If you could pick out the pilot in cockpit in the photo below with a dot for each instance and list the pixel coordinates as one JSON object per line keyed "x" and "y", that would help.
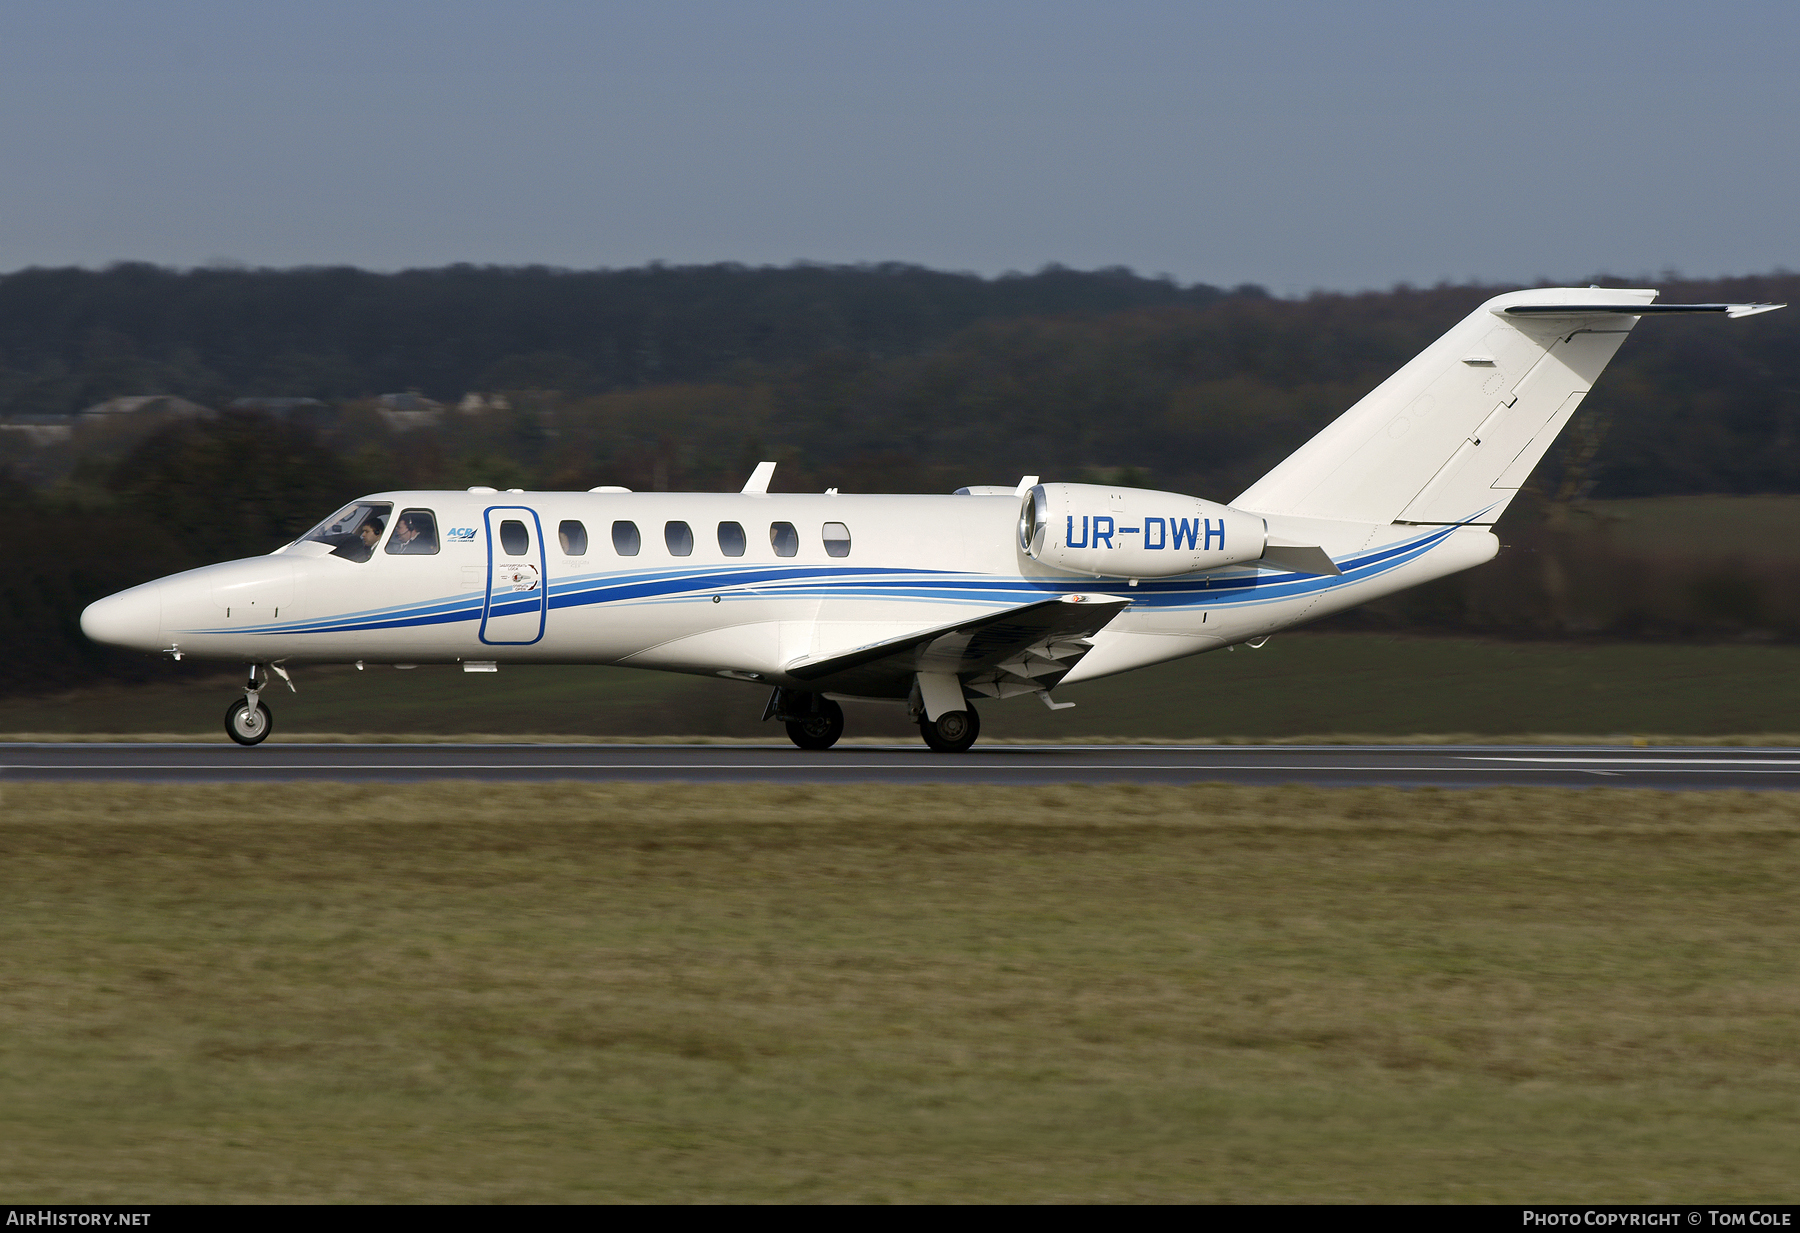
{"x": 353, "y": 532}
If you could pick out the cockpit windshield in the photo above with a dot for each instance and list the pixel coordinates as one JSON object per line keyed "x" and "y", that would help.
{"x": 354, "y": 530}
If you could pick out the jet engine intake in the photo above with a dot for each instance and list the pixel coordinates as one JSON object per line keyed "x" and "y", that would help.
{"x": 1134, "y": 532}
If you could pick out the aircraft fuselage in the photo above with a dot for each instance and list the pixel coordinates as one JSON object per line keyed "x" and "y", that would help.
{"x": 681, "y": 602}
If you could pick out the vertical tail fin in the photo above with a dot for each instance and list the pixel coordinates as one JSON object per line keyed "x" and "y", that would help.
{"x": 1452, "y": 436}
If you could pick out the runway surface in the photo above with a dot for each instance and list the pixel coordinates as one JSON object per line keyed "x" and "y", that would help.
{"x": 1417, "y": 766}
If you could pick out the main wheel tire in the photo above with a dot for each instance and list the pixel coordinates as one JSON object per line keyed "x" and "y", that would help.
{"x": 953, "y": 731}
{"x": 819, "y": 730}
{"x": 245, "y": 726}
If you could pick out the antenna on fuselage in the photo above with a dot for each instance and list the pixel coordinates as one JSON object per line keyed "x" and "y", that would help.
{"x": 759, "y": 478}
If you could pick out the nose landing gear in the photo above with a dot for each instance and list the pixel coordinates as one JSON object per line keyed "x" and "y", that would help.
{"x": 245, "y": 723}
{"x": 247, "y": 720}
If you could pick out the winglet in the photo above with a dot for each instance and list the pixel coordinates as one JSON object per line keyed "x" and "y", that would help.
{"x": 759, "y": 478}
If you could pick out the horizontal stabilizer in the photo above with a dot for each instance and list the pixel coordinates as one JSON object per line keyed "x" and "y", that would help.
{"x": 1053, "y": 631}
{"x": 1636, "y": 310}
{"x": 1300, "y": 558}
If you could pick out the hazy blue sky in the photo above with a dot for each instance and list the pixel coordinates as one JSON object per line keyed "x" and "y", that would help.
{"x": 1295, "y": 145}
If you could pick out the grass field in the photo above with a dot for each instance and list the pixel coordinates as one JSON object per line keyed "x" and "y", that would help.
{"x": 519, "y": 993}
{"x": 1299, "y": 684}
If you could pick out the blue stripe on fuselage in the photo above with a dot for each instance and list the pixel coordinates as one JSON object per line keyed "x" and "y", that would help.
{"x": 1247, "y": 587}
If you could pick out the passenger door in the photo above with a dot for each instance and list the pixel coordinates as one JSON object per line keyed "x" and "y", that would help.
{"x": 518, "y": 582}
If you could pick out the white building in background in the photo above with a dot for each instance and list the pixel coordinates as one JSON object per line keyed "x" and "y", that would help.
{"x": 405, "y": 412}
{"x": 145, "y": 404}
{"x": 39, "y": 431}
{"x": 129, "y": 414}
{"x": 474, "y": 403}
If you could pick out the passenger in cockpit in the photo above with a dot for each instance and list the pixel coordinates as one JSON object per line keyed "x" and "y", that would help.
{"x": 412, "y": 534}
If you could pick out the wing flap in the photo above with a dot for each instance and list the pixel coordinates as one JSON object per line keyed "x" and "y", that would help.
{"x": 1049, "y": 635}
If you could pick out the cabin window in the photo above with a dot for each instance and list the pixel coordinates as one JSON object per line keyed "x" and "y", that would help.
{"x": 784, "y": 539}
{"x": 626, "y": 540}
{"x": 354, "y": 530}
{"x": 837, "y": 539}
{"x": 415, "y": 533}
{"x": 573, "y": 538}
{"x": 731, "y": 539}
{"x": 515, "y": 541}
{"x": 680, "y": 539}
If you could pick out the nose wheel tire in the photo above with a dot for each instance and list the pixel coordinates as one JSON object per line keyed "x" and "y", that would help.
{"x": 246, "y": 726}
{"x": 819, "y": 730}
{"x": 951, "y": 732}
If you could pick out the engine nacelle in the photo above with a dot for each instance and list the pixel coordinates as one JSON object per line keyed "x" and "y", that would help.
{"x": 1134, "y": 532}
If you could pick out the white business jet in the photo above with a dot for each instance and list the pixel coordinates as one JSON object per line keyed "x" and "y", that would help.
{"x": 922, "y": 601}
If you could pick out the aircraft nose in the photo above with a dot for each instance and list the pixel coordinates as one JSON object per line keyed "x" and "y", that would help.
{"x": 131, "y": 619}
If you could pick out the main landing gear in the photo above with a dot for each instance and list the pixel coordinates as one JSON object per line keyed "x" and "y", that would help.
{"x": 951, "y": 732}
{"x": 813, "y": 721}
{"x": 247, "y": 720}
{"x": 816, "y": 722}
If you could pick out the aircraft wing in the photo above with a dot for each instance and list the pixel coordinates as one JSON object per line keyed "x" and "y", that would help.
{"x": 1017, "y": 650}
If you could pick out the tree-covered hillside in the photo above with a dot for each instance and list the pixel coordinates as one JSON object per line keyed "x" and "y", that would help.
{"x": 879, "y": 377}
{"x": 69, "y": 337}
